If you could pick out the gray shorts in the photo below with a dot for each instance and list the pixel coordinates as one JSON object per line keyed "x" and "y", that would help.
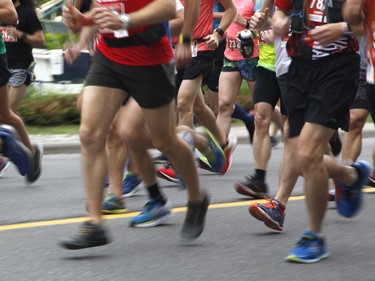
{"x": 20, "y": 76}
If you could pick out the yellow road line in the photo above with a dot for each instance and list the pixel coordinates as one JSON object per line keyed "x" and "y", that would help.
{"x": 133, "y": 214}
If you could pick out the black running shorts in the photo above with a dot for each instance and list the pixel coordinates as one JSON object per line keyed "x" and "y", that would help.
{"x": 150, "y": 86}
{"x": 321, "y": 91}
{"x": 267, "y": 87}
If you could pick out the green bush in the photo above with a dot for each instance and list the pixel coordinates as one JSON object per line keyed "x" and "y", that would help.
{"x": 50, "y": 109}
{"x": 57, "y": 40}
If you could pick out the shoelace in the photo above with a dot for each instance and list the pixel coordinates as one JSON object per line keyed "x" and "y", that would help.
{"x": 305, "y": 240}
{"x": 86, "y": 230}
{"x": 271, "y": 203}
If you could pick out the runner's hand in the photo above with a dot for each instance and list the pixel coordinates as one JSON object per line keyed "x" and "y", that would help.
{"x": 182, "y": 55}
{"x": 212, "y": 40}
{"x": 258, "y": 19}
{"x": 73, "y": 18}
{"x": 326, "y": 34}
{"x": 106, "y": 18}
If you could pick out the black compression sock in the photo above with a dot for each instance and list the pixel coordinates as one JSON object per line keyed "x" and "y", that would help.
{"x": 154, "y": 192}
{"x": 260, "y": 175}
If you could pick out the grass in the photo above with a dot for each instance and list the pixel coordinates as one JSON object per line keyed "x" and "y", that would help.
{"x": 52, "y": 130}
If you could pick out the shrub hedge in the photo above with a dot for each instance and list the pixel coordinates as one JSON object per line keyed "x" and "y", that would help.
{"x": 50, "y": 110}
{"x": 55, "y": 109}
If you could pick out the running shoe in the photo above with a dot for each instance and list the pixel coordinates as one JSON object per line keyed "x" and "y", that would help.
{"x": 15, "y": 150}
{"x": 371, "y": 179}
{"x": 349, "y": 198}
{"x": 168, "y": 173}
{"x": 34, "y": 173}
{"x": 274, "y": 141}
{"x": 195, "y": 219}
{"x": 4, "y": 165}
{"x": 154, "y": 213}
{"x": 213, "y": 151}
{"x": 331, "y": 195}
{"x": 251, "y": 187}
{"x": 204, "y": 164}
{"x": 113, "y": 205}
{"x": 161, "y": 159}
{"x": 272, "y": 213}
{"x": 131, "y": 185}
{"x": 228, "y": 152}
{"x": 310, "y": 248}
{"x": 89, "y": 235}
{"x": 332, "y": 191}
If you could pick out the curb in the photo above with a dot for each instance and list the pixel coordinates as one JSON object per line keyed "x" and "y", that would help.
{"x": 55, "y": 144}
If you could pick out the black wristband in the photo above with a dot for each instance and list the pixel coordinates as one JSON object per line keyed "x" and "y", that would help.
{"x": 247, "y": 24}
{"x": 186, "y": 40}
{"x": 24, "y": 36}
{"x": 220, "y": 31}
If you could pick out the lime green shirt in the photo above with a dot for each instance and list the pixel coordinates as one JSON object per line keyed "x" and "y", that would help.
{"x": 267, "y": 56}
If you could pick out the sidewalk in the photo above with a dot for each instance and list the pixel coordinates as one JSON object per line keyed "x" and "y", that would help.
{"x": 70, "y": 143}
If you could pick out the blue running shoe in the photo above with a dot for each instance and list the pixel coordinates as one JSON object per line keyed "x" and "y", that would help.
{"x": 113, "y": 205}
{"x": 14, "y": 149}
{"x": 349, "y": 198}
{"x": 154, "y": 213}
{"x": 310, "y": 248}
{"x": 130, "y": 184}
{"x": 213, "y": 151}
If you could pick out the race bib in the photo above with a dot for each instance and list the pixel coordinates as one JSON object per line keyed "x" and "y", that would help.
{"x": 6, "y": 36}
{"x": 316, "y": 12}
{"x": 117, "y": 7}
{"x": 233, "y": 43}
{"x": 194, "y": 49}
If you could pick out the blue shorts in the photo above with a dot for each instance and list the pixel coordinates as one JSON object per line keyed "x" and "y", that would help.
{"x": 245, "y": 67}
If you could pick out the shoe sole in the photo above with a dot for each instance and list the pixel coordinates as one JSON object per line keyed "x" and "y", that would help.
{"x": 241, "y": 189}
{"x": 133, "y": 192}
{"x": 69, "y": 246}
{"x": 226, "y": 168}
{"x": 2, "y": 172}
{"x": 294, "y": 258}
{"x": 370, "y": 183}
{"x": 153, "y": 223}
{"x": 166, "y": 177}
{"x": 115, "y": 212}
{"x": 260, "y": 215}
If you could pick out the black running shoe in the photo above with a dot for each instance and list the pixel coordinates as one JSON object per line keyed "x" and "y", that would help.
{"x": 34, "y": 173}
{"x": 251, "y": 187}
{"x": 90, "y": 235}
{"x": 194, "y": 220}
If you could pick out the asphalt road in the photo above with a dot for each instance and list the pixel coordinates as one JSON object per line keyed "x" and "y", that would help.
{"x": 234, "y": 246}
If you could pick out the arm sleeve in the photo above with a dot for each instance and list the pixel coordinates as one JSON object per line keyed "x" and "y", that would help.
{"x": 284, "y": 5}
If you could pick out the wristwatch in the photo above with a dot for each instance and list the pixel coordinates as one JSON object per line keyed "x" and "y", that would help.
{"x": 125, "y": 19}
{"x": 220, "y": 31}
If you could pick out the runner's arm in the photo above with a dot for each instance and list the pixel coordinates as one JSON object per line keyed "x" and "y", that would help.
{"x": 8, "y": 13}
